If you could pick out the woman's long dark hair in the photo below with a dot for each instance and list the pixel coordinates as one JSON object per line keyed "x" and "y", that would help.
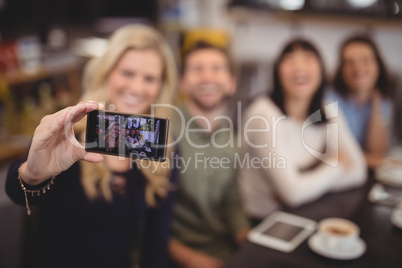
{"x": 278, "y": 93}
{"x": 383, "y": 84}
{"x": 135, "y": 134}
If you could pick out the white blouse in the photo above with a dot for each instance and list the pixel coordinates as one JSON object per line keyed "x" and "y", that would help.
{"x": 298, "y": 161}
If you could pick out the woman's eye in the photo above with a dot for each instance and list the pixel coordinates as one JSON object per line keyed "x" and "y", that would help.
{"x": 150, "y": 79}
{"x": 196, "y": 69}
{"x": 126, "y": 73}
{"x": 348, "y": 63}
{"x": 311, "y": 56}
{"x": 218, "y": 68}
{"x": 367, "y": 60}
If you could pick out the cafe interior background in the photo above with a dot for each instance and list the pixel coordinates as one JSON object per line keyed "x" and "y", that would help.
{"x": 44, "y": 45}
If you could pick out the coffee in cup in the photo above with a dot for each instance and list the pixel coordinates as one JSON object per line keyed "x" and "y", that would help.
{"x": 338, "y": 234}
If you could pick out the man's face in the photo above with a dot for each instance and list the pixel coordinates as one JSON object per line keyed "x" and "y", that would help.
{"x": 207, "y": 80}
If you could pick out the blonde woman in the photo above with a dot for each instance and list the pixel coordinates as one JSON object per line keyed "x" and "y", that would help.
{"x": 97, "y": 204}
{"x": 113, "y": 137}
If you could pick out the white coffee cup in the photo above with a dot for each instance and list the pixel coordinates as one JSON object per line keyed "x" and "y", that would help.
{"x": 337, "y": 234}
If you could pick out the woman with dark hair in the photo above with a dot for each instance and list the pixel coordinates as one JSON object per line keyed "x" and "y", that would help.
{"x": 132, "y": 136}
{"x": 362, "y": 90}
{"x": 304, "y": 150}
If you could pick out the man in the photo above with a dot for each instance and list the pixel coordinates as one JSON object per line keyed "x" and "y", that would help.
{"x": 209, "y": 221}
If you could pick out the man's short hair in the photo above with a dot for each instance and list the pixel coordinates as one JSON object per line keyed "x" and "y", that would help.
{"x": 201, "y": 45}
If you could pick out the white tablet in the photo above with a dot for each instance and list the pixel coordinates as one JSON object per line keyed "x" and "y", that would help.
{"x": 282, "y": 231}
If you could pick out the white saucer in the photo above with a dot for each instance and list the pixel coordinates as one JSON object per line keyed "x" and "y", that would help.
{"x": 396, "y": 217}
{"x": 356, "y": 251}
{"x": 390, "y": 172}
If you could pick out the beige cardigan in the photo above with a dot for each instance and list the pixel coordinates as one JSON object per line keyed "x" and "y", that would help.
{"x": 292, "y": 146}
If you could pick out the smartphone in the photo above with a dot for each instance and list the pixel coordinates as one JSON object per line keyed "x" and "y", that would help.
{"x": 282, "y": 231}
{"x": 127, "y": 135}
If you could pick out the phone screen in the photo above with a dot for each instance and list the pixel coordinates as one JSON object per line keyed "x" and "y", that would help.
{"x": 283, "y": 231}
{"x": 136, "y": 136}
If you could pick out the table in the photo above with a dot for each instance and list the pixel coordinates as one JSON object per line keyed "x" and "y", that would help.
{"x": 383, "y": 240}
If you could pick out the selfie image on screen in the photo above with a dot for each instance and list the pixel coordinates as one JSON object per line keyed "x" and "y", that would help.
{"x": 126, "y": 135}
{"x": 283, "y": 231}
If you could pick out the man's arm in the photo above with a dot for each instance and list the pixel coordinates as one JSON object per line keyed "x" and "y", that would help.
{"x": 235, "y": 216}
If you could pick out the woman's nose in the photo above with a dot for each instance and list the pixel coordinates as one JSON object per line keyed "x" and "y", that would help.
{"x": 136, "y": 85}
{"x": 299, "y": 64}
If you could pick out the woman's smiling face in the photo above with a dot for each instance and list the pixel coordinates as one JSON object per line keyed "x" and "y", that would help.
{"x": 135, "y": 81}
{"x": 300, "y": 73}
{"x": 360, "y": 69}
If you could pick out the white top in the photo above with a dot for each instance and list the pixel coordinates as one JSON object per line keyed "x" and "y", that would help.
{"x": 298, "y": 161}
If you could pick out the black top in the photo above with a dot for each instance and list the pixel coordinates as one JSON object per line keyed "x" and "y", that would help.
{"x": 76, "y": 232}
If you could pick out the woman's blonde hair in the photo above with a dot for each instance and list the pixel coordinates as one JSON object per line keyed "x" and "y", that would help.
{"x": 95, "y": 178}
{"x": 108, "y": 138}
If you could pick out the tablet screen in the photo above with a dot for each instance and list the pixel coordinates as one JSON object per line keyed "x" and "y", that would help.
{"x": 283, "y": 231}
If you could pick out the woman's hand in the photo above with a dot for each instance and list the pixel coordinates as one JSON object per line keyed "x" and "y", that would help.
{"x": 54, "y": 147}
{"x": 377, "y": 137}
